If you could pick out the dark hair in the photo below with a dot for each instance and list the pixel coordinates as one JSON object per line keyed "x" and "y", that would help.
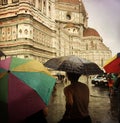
{"x": 73, "y": 77}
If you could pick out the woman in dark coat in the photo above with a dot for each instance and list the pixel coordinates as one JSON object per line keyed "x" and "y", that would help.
{"x": 77, "y": 101}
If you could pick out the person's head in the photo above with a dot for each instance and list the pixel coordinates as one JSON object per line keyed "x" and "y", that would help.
{"x": 73, "y": 77}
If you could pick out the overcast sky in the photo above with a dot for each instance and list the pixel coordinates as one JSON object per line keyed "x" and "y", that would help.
{"x": 104, "y": 16}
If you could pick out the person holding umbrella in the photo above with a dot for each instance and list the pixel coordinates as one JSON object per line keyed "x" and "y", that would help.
{"x": 117, "y": 90}
{"x": 77, "y": 101}
{"x": 117, "y": 82}
{"x": 77, "y": 93}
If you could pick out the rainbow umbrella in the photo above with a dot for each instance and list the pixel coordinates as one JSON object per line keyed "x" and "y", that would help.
{"x": 25, "y": 88}
{"x": 113, "y": 64}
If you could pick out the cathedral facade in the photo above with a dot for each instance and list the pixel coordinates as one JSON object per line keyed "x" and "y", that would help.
{"x": 43, "y": 29}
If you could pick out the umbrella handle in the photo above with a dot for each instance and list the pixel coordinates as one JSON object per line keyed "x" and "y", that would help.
{"x": 8, "y": 71}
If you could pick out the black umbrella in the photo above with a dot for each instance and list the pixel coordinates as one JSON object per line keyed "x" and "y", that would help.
{"x": 74, "y": 64}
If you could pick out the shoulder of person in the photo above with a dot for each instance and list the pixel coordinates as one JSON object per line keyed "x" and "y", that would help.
{"x": 81, "y": 83}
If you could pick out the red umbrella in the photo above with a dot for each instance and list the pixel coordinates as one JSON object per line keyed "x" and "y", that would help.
{"x": 113, "y": 64}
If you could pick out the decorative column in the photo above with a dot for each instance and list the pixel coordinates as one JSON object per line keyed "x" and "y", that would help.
{"x": 9, "y": 1}
{"x": 47, "y": 9}
{"x": 53, "y": 10}
{"x": 36, "y": 4}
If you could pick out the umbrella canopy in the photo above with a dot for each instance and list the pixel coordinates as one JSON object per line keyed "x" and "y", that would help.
{"x": 25, "y": 88}
{"x": 73, "y": 64}
{"x": 113, "y": 64}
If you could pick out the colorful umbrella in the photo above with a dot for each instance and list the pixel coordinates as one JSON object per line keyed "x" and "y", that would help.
{"x": 73, "y": 64}
{"x": 25, "y": 88}
{"x": 113, "y": 64}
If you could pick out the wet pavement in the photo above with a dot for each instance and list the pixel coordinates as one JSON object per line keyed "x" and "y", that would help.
{"x": 99, "y": 106}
